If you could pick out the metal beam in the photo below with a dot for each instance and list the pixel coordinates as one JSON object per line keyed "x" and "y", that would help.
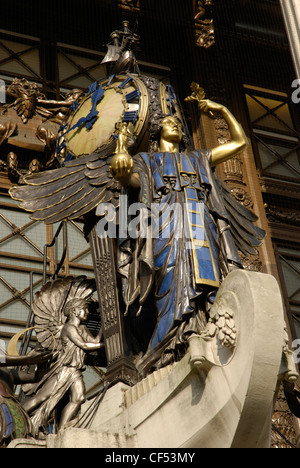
{"x": 291, "y": 14}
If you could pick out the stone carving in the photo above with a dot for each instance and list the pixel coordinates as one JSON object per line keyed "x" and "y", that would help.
{"x": 221, "y": 323}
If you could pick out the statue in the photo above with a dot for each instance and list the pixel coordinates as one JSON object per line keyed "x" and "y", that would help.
{"x": 14, "y": 421}
{"x": 60, "y": 307}
{"x": 142, "y": 150}
{"x": 187, "y": 265}
{"x": 183, "y": 278}
{"x": 30, "y": 104}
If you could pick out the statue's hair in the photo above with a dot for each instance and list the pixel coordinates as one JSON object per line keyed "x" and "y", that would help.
{"x": 74, "y": 305}
{"x": 155, "y": 132}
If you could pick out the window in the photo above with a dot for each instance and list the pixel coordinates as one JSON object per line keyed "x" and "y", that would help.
{"x": 79, "y": 68}
{"x": 289, "y": 266}
{"x": 19, "y": 56}
{"x": 22, "y": 244}
{"x": 275, "y": 138}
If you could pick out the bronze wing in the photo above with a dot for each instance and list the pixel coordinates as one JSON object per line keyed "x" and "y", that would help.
{"x": 70, "y": 191}
{"x": 49, "y": 302}
{"x": 246, "y": 234}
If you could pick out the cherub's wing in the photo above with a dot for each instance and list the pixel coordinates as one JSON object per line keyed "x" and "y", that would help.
{"x": 246, "y": 234}
{"x": 70, "y": 191}
{"x": 47, "y": 310}
{"x": 49, "y": 302}
{"x": 81, "y": 288}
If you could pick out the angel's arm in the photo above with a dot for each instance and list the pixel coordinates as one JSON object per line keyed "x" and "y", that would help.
{"x": 238, "y": 141}
{"x": 72, "y": 333}
{"x": 87, "y": 336}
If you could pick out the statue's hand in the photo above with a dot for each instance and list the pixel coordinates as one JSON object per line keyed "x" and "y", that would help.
{"x": 198, "y": 93}
{"x": 206, "y": 105}
{"x": 121, "y": 167}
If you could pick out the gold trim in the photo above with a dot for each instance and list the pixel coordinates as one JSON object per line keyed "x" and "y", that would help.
{"x": 205, "y": 243}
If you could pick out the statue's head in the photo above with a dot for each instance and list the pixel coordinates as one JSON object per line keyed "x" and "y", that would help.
{"x": 35, "y": 166}
{"x": 170, "y": 128}
{"x": 76, "y": 308}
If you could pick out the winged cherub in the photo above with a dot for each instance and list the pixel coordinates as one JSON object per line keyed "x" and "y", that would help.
{"x": 61, "y": 306}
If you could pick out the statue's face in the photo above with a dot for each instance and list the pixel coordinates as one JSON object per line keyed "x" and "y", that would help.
{"x": 171, "y": 130}
{"x": 83, "y": 313}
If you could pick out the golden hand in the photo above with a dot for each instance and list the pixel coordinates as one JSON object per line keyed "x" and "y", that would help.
{"x": 122, "y": 163}
{"x": 238, "y": 141}
{"x": 121, "y": 167}
{"x": 205, "y": 105}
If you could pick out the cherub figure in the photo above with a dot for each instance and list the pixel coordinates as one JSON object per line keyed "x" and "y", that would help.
{"x": 122, "y": 159}
{"x": 61, "y": 306}
{"x": 122, "y": 142}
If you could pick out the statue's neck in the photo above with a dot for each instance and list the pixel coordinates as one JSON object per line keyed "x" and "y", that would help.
{"x": 168, "y": 147}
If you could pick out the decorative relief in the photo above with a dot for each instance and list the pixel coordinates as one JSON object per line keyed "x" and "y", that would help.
{"x": 30, "y": 121}
{"x": 130, "y": 5}
{"x": 280, "y": 215}
{"x": 242, "y": 196}
{"x": 251, "y": 262}
{"x": 222, "y": 130}
{"x": 204, "y": 25}
{"x": 221, "y": 324}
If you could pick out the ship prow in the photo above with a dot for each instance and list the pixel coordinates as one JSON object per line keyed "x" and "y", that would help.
{"x": 220, "y": 395}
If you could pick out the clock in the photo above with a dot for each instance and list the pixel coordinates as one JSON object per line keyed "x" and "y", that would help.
{"x": 91, "y": 123}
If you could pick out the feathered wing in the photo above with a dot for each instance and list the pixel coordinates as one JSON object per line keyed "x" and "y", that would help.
{"x": 49, "y": 302}
{"x": 246, "y": 234}
{"x": 70, "y": 191}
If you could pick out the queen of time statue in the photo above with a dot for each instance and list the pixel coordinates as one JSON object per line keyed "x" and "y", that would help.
{"x": 128, "y": 137}
{"x": 192, "y": 250}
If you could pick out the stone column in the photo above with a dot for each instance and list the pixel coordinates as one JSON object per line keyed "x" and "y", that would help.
{"x": 291, "y": 14}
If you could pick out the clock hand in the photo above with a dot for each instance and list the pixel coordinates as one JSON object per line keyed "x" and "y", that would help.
{"x": 91, "y": 117}
{"x": 77, "y": 125}
{"x": 89, "y": 120}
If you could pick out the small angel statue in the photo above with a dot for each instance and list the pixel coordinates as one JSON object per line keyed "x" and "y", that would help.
{"x": 60, "y": 307}
{"x": 122, "y": 163}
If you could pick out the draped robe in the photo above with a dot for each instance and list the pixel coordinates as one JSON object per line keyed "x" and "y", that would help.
{"x": 186, "y": 248}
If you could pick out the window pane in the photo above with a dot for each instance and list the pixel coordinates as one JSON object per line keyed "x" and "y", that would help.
{"x": 288, "y": 166}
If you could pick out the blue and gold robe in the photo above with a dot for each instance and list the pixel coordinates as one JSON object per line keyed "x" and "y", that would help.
{"x": 183, "y": 255}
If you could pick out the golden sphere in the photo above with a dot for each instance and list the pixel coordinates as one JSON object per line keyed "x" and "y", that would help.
{"x": 121, "y": 162}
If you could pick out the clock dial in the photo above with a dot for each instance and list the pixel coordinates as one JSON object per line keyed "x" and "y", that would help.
{"x": 92, "y": 124}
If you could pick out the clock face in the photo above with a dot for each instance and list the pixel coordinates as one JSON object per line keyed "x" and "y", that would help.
{"x": 91, "y": 124}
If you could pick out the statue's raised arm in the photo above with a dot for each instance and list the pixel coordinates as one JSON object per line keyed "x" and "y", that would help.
{"x": 238, "y": 141}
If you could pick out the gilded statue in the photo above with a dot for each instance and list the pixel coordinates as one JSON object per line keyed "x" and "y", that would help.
{"x": 172, "y": 276}
{"x": 28, "y": 101}
{"x": 186, "y": 266}
{"x": 161, "y": 276}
